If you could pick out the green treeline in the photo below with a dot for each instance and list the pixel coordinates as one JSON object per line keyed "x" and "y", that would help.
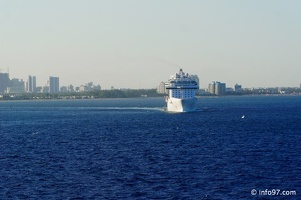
{"x": 130, "y": 93}
{"x": 124, "y": 93}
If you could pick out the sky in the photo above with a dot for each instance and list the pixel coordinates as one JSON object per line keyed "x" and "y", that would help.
{"x": 139, "y": 43}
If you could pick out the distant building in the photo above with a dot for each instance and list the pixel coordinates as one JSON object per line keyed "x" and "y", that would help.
{"x": 54, "y": 84}
{"x": 220, "y": 88}
{"x": 64, "y": 89}
{"x": 237, "y": 88}
{"x": 83, "y": 88}
{"x": 31, "y": 85}
{"x": 228, "y": 89}
{"x": 217, "y": 88}
{"x": 45, "y": 89}
{"x": 90, "y": 87}
{"x": 4, "y": 82}
{"x": 97, "y": 87}
{"x": 211, "y": 87}
{"x": 16, "y": 86}
{"x": 70, "y": 88}
{"x": 161, "y": 88}
{"x": 39, "y": 89}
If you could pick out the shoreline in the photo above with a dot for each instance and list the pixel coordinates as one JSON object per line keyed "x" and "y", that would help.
{"x": 19, "y": 98}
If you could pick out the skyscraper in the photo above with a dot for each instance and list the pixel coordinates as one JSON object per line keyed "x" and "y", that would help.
{"x": 211, "y": 87}
{"x": 31, "y": 84}
{"x": 161, "y": 89}
{"x": 217, "y": 88}
{"x": 54, "y": 85}
{"x": 4, "y": 82}
{"x": 220, "y": 88}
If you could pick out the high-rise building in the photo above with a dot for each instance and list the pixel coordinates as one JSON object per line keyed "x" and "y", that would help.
{"x": 211, "y": 87}
{"x": 237, "y": 88}
{"x": 4, "y": 82}
{"x": 16, "y": 86}
{"x": 70, "y": 88}
{"x": 31, "y": 85}
{"x": 54, "y": 84}
{"x": 64, "y": 89}
{"x": 220, "y": 88}
{"x": 161, "y": 89}
{"x": 217, "y": 88}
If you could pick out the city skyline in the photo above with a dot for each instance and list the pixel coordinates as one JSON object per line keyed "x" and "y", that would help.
{"x": 138, "y": 44}
{"x": 13, "y": 85}
{"x": 52, "y": 85}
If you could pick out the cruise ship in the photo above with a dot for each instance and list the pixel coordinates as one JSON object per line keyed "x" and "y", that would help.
{"x": 181, "y": 93}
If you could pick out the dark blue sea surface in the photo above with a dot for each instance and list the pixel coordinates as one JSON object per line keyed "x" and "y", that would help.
{"x": 132, "y": 149}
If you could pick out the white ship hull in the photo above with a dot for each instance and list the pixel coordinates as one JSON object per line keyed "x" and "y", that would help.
{"x": 181, "y": 105}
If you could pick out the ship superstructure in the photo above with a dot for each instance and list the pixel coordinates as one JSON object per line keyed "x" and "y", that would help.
{"x": 181, "y": 93}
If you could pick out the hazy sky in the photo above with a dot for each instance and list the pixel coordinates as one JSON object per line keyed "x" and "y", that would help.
{"x": 139, "y": 43}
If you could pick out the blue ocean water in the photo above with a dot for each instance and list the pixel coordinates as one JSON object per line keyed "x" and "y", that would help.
{"x": 132, "y": 149}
